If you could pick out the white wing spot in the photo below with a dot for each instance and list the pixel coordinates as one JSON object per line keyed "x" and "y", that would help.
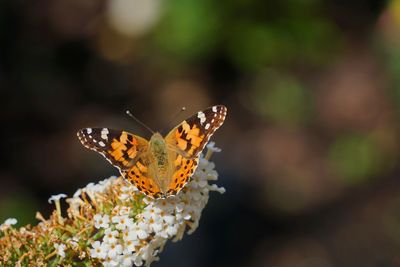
{"x": 207, "y": 126}
{"x": 88, "y": 130}
{"x": 101, "y": 143}
{"x": 104, "y": 133}
{"x": 214, "y": 108}
{"x": 202, "y": 117}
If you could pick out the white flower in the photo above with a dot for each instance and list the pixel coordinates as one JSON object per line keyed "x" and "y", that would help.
{"x": 60, "y": 249}
{"x": 126, "y": 192}
{"x": 165, "y": 205}
{"x": 149, "y": 251}
{"x": 110, "y": 236}
{"x": 171, "y": 230}
{"x": 110, "y": 262}
{"x": 169, "y": 219}
{"x": 127, "y": 234}
{"x": 205, "y": 166}
{"x": 140, "y": 230}
{"x": 152, "y": 225}
{"x": 186, "y": 216}
{"x": 126, "y": 260}
{"x": 157, "y": 227}
{"x": 138, "y": 259}
{"x": 214, "y": 187}
{"x": 108, "y": 182}
{"x": 99, "y": 250}
{"x": 100, "y": 187}
{"x": 130, "y": 246}
{"x": 114, "y": 250}
{"x": 101, "y": 221}
{"x": 151, "y": 212}
{"x": 57, "y": 197}
{"x": 10, "y": 221}
{"x": 94, "y": 188}
{"x": 196, "y": 195}
{"x": 90, "y": 186}
{"x": 211, "y": 146}
{"x": 77, "y": 193}
{"x": 122, "y": 222}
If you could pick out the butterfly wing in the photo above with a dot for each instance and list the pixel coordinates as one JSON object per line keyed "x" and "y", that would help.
{"x": 191, "y": 136}
{"x": 183, "y": 170}
{"x": 139, "y": 175}
{"x": 125, "y": 151}
{"x": 120, "y": 148}
{"x": 187, "y": 140}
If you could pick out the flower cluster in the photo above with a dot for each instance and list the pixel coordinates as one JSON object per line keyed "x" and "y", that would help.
{"x": 110, "y": 223}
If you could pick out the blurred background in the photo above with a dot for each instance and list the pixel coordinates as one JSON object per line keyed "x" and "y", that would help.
{"x": 310, "y": 146}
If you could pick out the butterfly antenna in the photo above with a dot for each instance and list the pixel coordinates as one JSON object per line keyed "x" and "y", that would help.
{"x": 175, "y": 115}
{"x": 138, "y": 121}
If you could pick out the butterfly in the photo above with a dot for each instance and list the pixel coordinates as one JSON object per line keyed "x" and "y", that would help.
{"x": 159, "y": 167}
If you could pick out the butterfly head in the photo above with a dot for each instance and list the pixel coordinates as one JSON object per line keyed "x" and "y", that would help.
{"x": 157, "y": 139}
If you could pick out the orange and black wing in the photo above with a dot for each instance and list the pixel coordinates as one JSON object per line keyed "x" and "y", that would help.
{"x": 191, "y": 136}
{"x": 184, "y": 169}
{"x": 140, "y": 175}
{"x": 120, "y": 148}
{"x": 125, "y": 151}
{"x": 187, "y": 140}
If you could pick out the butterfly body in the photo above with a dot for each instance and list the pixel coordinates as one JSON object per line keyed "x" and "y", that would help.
{"x": 158, "y": 149}
{"x": 161, "y": 161}
{"x": 161, "y": 166}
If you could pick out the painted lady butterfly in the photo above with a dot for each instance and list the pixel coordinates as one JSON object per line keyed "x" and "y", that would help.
{"x": 161, "y": 166}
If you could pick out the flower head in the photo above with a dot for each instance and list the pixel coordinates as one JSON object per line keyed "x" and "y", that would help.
{"x": 110, "y": 236}
{"x": 114, "y": 250}
{"x": 211, "y": 146}
{"x": 10, "y": 221}
{"x": 101, "y": 221}
{"x": 99, "y": 250}
{"x": 56, "y": 198}
{"x": 122, "y": 221}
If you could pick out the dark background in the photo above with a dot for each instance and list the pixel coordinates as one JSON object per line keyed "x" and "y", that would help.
{"x": 311, "y": 141}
